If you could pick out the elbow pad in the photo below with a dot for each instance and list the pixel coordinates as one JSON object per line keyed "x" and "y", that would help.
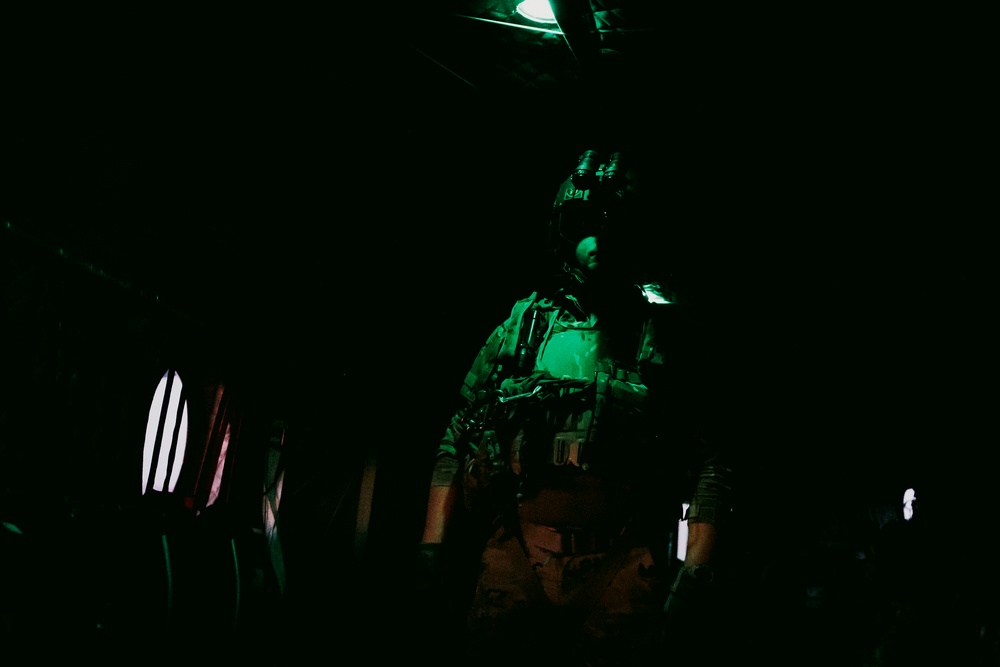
{"x": 711, "y": 502}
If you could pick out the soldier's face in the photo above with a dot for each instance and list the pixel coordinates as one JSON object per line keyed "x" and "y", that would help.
{"x": 586, "y": 253}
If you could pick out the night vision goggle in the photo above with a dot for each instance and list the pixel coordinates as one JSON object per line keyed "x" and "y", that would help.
{"x": 592, "y": 196}
{"x": 592, "y": 173}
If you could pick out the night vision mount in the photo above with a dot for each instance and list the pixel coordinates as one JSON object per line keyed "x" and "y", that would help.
{"x": 592, "y": 199}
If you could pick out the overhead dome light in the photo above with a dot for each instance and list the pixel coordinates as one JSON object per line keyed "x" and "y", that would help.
{"x": 539, "y": 11}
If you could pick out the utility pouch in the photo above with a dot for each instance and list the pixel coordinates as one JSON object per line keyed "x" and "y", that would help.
{"x": 479, "y": 468}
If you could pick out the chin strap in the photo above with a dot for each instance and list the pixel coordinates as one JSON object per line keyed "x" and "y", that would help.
{"x": 577, "y": 275}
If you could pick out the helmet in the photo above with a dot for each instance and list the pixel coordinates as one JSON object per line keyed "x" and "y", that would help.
{"x": 598, "y": 198}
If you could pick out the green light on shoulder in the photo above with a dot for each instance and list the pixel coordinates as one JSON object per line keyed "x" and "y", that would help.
{"x": 655, "y": 294}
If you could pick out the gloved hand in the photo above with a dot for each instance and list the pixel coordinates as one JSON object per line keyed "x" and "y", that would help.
{"x": 424, "y": 612}
{"x": 427, "y": 569}
{"x": 689, "y": 608}
{"x": 691, "y": 591}
{"x": 444, "y": 576}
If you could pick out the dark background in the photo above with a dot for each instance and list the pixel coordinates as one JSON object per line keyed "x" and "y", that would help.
{"x": 317, "y": 212}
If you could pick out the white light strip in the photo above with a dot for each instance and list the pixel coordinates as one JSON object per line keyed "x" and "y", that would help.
{"x": 181, "y": 448}
{"x": 174, "y": 408}
{"x": 167, "y": 437}
{"x": 151, "y": 425}
{"x": 682, "y": 533}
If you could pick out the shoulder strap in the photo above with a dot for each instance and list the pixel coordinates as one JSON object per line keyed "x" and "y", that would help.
{"x": 508, "y": 350}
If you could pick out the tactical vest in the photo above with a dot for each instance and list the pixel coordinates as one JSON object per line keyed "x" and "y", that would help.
{"x": 562, "y": 389}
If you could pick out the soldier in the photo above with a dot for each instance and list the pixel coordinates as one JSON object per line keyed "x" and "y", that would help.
{"x": 582, "y": 432}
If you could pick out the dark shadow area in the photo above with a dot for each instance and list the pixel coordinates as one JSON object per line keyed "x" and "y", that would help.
{"x": 333, "y": 239}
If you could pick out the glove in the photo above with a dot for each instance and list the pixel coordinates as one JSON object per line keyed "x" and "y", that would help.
{"x": 425, "y": 609}
{"x": 427, "y": 569}
{"x": 690, "y": 592}
{"x": 688, "y": 609}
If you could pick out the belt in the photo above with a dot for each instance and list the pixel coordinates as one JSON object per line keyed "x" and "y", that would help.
{"x": 569, "y": 541}
{"x": 567, "y": 448}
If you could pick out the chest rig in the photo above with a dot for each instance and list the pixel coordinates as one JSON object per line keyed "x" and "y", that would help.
{"x": 569, "y": 387}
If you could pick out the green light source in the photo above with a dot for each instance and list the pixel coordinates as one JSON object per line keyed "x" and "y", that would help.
{"x": 539, "y": 11}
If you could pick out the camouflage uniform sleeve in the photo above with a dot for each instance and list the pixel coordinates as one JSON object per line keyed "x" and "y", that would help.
{"x": 499, "y": 344}
{"x": 451, "y": 447}
{"x": 711, "y": 501}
